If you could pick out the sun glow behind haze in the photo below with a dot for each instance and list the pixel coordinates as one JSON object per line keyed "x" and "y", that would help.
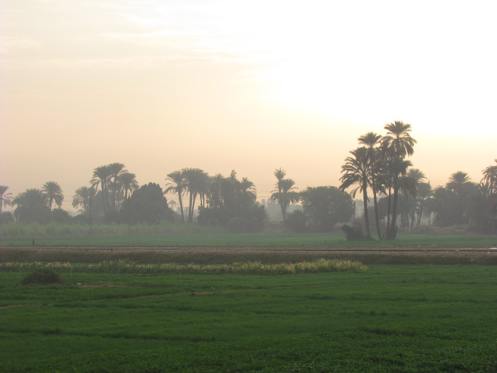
{"x": 250, "y": 85}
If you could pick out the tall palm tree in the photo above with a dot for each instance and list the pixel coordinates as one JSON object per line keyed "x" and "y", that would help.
{"x": 53, "y": 193}
{"x": 397, "y": 145}
{"x": 5, "y": 197}
{"x": 197, "y": 183}
{"x": 458, "y": 182}
{"x": 410, "y": 185}
{"x": 101, "y": 178}
{"x": 176, "y": 183}
{"x": 355, "y": 174}
{"x": 285, "y": 192}
{"x": 116, "y": 170}
{"x": 372, "y": 141}
{"x": 127, "y": 182}
{"x": 490, "y": 178}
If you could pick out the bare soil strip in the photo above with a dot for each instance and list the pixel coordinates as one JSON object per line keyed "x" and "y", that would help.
{"x": 243, "y": 254}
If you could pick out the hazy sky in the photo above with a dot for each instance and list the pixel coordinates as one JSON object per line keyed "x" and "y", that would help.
{"x": 246, "y": 85}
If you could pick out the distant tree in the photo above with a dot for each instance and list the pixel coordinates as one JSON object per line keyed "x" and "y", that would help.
{"x": 326, "y": 206}
{"x": 53, "y": 194}
{"x": 372, "y": 142}
{"x": 6, "y": 217}
{"x": 176, "y": 183}
{"x": 232, "y": 203}
{"x": 84, "y": 199}
{"x": 32, "y": 207}
{"x": 5, "y": 197}
{"x": 397, "y": 144}
{"x": 128, "y": 184}
{"x": 356, "y": 175}
{"x": 284, "y": 192}
{"x": 197, "y": 184}
{"x": 60, "y": 216}
{"x": 489, "y": 180}
{"x": 101, "y": 179}
{"x": 146, "y": 205}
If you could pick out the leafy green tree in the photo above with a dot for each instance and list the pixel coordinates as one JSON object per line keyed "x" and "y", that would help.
{"x": 356, "y": 175}
{"x": 146, "y": 205}
{"x": 53, "y": 193}
{"x": 32, "y": 207}
{"x": 284, "y": 192}
{"x": 326, "y": 206}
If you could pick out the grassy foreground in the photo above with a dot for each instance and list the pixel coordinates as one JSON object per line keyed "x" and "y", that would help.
{"x": 184, "y": 235}
{"x": 390, "y": 318}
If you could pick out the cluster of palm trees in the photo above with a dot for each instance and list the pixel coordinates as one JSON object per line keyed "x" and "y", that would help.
{"x": 380, "y": 166}
{"x": 197, "y": 185}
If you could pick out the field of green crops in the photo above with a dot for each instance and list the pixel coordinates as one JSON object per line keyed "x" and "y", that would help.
{"x": 428, "y": 318}
{"x": 194, "y": 236}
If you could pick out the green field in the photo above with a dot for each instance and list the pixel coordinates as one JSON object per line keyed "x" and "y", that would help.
{"x": 179, "y": 235}
{"x": 390, "y": 318}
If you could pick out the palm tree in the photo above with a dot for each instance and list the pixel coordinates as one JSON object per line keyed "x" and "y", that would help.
{"x": 127, "y": 182}
{"x": 285, "y": 192}
{"x": 458, "y": 182}
{"x": 490, "y": 178}
{"x": 177, "y": 184}
{"x": 410, "y": 185}
{"x": 355, "y": 174}
{"x": 53, "y": 193}
{"x": 83, "y": 199}
{"x": 101, "y": 177}
{"x": 197, "y": 183}
{"x": 371, "y": 141}
{"x": 397, "y": 145}
{"x": 5, "y": 197}
{"x": 247, "y": 187}
{"x": 116, "y": 170}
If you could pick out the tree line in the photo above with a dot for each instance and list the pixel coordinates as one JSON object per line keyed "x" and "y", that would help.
{"x": 393, "y": 194}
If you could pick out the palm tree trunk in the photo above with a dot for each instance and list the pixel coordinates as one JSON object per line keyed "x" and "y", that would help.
{"x": 180, "y": 199}
{"x": 190, "y": 210}
{"x": 393, "y": 228}
{"x": 366, "y": 214}
{"x": 376, "y": 212}
{"x": 389, "y": 211}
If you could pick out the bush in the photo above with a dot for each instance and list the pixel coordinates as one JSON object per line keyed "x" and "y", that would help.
{"x": 42, "y": 277}
{"x": 296, "y": 222}
{"x": 353, "y": 233}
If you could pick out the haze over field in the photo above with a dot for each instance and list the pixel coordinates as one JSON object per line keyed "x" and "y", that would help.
{"x": 251, "y": 86}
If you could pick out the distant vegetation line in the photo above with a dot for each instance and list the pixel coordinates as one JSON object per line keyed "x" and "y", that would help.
{"x": 393, "y": 194}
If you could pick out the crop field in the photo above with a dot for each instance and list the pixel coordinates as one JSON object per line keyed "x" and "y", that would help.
{"x": 179, "y": 235}
{"x": 401, "y": 318}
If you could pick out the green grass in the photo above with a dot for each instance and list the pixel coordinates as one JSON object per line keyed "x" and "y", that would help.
{"x": 390, "y": 318}
{"x": 197, "y": 236}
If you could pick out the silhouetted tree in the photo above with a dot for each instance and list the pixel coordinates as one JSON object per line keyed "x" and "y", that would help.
{"x": 177, "y": 184}
{"x": 146, "y": 205}
{"x": 284, "y": 192}
{"x": 326, "y": 206}
{"x": 356, "y": 175}
{"x": 53, "y": 193}
{"x": 85, "y": 199}
{"x": 32, "y": 207}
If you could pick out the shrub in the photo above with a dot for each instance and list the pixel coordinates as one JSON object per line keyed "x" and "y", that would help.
{"x": 42, "y": 277}
{"x": 353, "y": 233}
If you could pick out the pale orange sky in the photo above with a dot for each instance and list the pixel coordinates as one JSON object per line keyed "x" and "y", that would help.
{"x": 245, "y": 85}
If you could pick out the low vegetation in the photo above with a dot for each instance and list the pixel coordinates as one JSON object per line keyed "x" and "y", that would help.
{"x": 43, "y": 275}
{"x": 390, "y": 318}
{"x": 44, "y": 270}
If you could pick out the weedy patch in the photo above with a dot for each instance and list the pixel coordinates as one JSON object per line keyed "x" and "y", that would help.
{"x": 42, "y": 277}
{"x": 122, "y": 266}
